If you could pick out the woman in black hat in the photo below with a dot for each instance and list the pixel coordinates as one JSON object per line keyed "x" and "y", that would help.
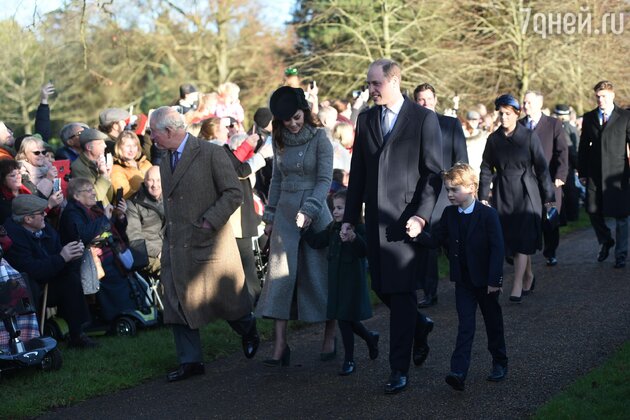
{"x": 514, "y": 163}
{"x": 296, "y": 286}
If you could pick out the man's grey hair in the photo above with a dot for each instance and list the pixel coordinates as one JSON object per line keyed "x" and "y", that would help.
{"x": 68, "y": 129}
{"x": 166, "y": 116}
{"x": 17, "y": 219}
{"x": 535, "y": 93}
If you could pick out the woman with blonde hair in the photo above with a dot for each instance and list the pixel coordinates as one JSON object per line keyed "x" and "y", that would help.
{"x": 130, "y": 164}
{"x": 38, "y": 174}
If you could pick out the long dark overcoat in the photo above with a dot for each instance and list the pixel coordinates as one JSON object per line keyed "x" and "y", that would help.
{"x": 517, "y": 169}
{"x": 201, "y": 273}
{"x": 396, "y": 179}
{"x": 555, "y": 144}
{"x": 603, "y": 161}
{"x": 348, "y": 296}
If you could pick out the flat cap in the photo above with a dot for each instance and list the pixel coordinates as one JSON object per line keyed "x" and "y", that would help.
{"x": 91, "y": 134}
{"x": 112, "y": 115}
{"x": 25, "y": 204}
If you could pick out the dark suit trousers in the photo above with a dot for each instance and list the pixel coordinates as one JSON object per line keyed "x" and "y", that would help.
{"x": 188, "y": 340}
{"x": 467, "y": 298}
{"x": 551, "y": 236}
{"x": 604, "y": 235}
{"x": 405, "y": 322}
{"x": 431, "y": 276}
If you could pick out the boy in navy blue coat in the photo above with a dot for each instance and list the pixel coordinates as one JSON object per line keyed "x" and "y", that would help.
{"x": 472, "y": 234}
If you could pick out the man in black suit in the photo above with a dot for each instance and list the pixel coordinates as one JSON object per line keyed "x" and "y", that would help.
{"x": 395, "y": 164}
{"x": 555, "y": 144}
{"x": 453, "y": 151}
{"x": 603, "y": 169}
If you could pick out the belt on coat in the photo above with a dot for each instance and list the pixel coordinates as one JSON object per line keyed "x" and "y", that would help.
{"x": 293, "y": 186}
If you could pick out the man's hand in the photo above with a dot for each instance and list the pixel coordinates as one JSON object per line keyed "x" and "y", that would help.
{"x": 347, "y": 232}
{"x": 302, "y": 220}
{"x": 492, "y": 289}
{"x": 101, "y": 165}
{"x": 414, "y": 226}
{"x": 72, "y": 251}
{"x": 583, "y": 181}
{"x": 47, "y": 90}
{"x": 558, "y": 183}
{"x": 122, "y": 206}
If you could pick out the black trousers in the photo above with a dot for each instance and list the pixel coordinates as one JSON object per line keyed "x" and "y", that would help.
{"x": 406, "y": 324}
{"x": 431, "y": 275}
{"x": 467, "y": 297}
{"x": 551, "y": 236}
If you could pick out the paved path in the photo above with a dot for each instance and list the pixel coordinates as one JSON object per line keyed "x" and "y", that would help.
{"x": 577, "y": 317}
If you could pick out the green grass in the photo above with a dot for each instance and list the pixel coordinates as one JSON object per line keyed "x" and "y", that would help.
{"x": 604, "y": 393}
{"x": 119, "y": 363}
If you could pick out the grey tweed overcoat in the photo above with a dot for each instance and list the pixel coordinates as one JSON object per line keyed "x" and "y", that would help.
{"x": 296, "y": 286}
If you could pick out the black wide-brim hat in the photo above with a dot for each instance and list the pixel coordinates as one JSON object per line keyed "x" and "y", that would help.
{"x": 286, "y": 101}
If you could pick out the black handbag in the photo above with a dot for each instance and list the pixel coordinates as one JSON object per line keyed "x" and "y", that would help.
{"x": 140, "y": 254}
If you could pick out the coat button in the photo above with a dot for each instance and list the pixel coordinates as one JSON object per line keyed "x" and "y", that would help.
{"x": 455, "y": 255}
{"x": 185, "y": 245}
{"x": 299, "y": 165}
{"x": 301, "y": 154}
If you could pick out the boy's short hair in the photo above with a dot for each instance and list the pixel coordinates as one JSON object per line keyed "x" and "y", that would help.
{"x": 462, "y": 174}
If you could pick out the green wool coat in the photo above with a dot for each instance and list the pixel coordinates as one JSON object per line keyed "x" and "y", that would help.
{"x": 348, "y": 297}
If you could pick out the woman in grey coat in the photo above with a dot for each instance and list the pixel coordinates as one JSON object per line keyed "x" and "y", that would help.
{"x": 296, "y": 286}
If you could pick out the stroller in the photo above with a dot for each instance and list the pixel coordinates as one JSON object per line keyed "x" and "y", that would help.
{"x": 17, "y": 314}
{"x": 140, "y": 308}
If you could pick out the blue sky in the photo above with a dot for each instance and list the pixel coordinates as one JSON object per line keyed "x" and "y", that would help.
{"x": 276, "y": 12}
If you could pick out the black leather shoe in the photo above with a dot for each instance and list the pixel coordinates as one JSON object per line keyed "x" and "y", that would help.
{"x": 456, "y": 381}
{"x": 428, "y": 301}
{"x": 250, "y": 343}
{"x": 420, "y": 346}
{"x": 347, "y": 368}
{"x": 498, "y": 373}
{"x": 285, "y": 359}
{"x": 373, "y": 344}
{"x": 185, "y": 371}
{"x": 82, "y": 342}
{"x": 552, "y": 261}
{"x": 620, "y": 262}
{"x": 396, "y": 383}
{"x": 327, "y": 357}
{"x": 517, "y": 299}
{"x": 604, "y": 250}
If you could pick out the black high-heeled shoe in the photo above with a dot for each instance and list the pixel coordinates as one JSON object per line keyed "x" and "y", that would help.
{"x": 284, "y": 360}
{"x": 327, "y": 357}
{"x": 531, "y": 288}
{"x": 373, "y": 344}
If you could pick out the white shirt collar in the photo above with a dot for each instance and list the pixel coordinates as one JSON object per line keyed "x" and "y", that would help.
{"x": 397, "y": 106}
{"x": 607, "y": 111}
{"x": 468, "y": 209}
{"x": 535, "y": 121}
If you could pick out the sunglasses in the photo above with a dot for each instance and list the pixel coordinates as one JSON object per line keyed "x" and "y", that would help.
{"x": 38, "y": 152}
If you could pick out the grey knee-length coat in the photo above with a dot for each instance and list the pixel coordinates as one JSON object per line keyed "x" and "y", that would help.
{"x": 296, "y": 286}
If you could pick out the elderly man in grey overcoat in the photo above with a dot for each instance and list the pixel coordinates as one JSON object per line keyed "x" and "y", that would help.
{"x": 201, "y": 278}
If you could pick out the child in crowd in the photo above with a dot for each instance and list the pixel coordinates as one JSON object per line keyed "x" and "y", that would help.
{"x": 472, "y": 234}
{"x": 348, "y": 298}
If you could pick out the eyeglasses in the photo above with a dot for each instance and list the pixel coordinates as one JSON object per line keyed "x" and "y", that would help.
{"x": 91, "y": 190}
{"x": 38, "y": 152}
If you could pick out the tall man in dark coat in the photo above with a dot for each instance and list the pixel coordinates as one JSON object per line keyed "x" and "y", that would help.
{"x": 202, "y": 280}
{"x": 555, "y": 144}
{"x": 603, "y": 169}
{"x": 453, "y": 151}
{"x": 395, "y": 165}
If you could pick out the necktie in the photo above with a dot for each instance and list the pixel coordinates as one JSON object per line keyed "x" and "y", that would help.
{"x": 174, "y": 160}
{"x": 531, "y": 124}
{"x": 385, "y": 122}
{"x": 604, "y": 118}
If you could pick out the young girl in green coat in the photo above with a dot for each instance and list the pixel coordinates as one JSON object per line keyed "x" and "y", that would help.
{"x": 348, "y": 298}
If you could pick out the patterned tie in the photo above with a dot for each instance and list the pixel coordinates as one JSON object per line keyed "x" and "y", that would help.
{"x": 174, "y": 159}
{"x": 385, "y": 122}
